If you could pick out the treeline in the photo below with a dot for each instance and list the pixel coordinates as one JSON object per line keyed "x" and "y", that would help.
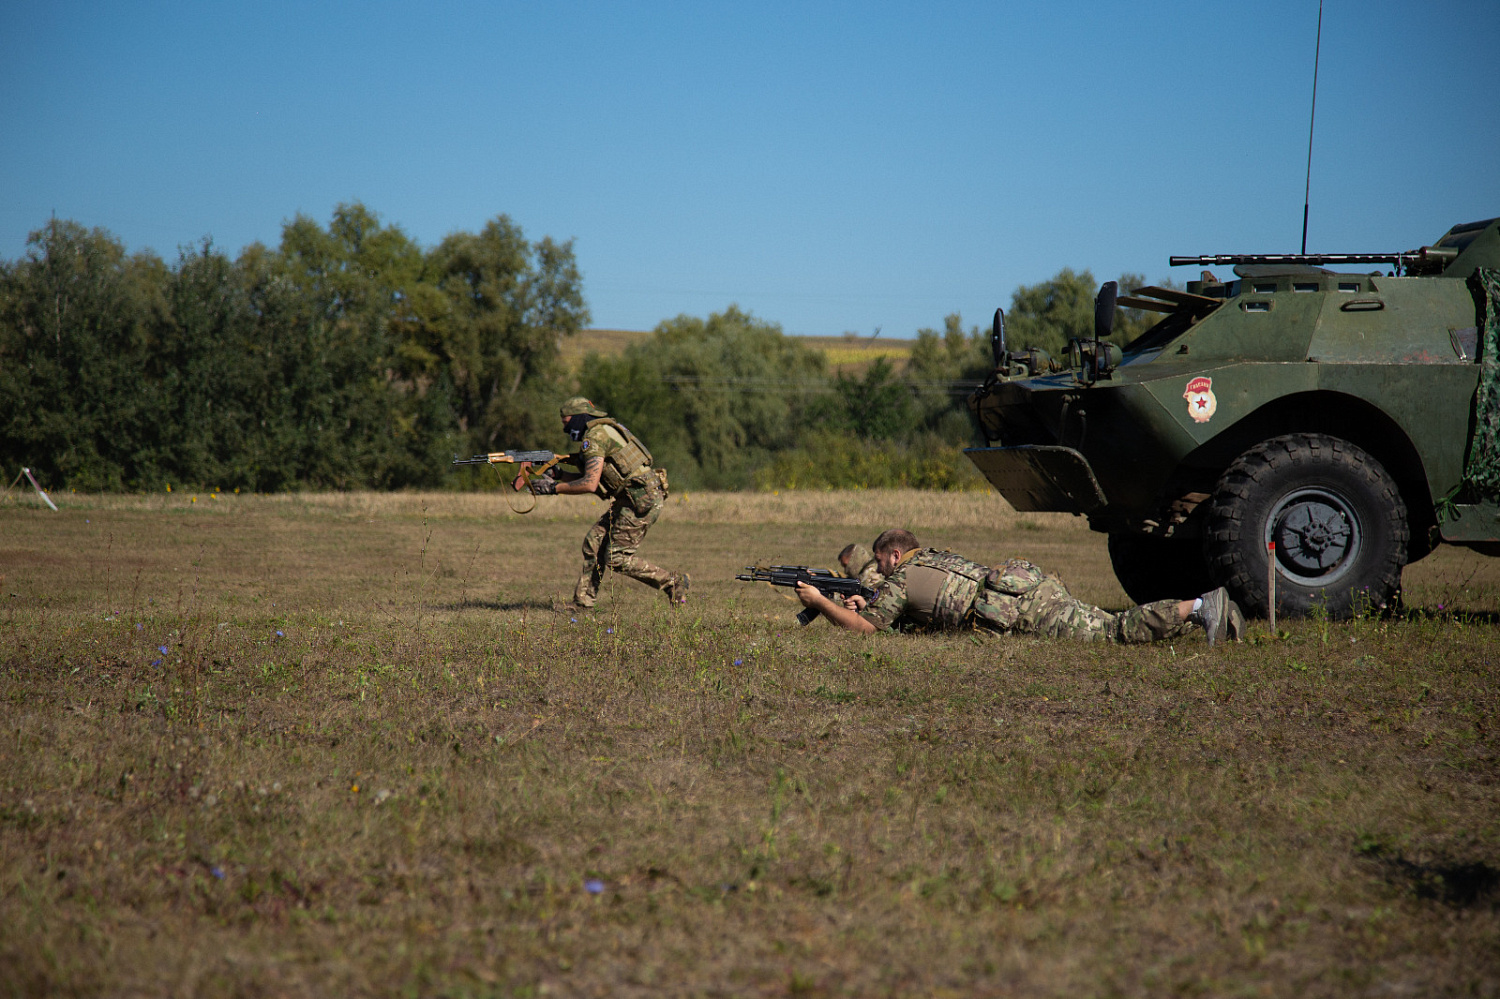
{"x": 730, "y": 403}
{"x": 346, "y": 357}
{"x": 350, "y": 357}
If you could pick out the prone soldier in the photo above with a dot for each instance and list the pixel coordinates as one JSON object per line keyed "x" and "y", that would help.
{"x": 858, "y": 562}
{"x": 926, "y": 588}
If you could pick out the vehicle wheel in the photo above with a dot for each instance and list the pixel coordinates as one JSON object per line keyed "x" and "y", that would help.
{"x": 1158, "y": 568}
{"x": 1337, "y": 519}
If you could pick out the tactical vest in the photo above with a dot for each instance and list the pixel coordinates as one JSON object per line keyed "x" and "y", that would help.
{"x": 625, "y": 463}
{"x": 941, "y": 587}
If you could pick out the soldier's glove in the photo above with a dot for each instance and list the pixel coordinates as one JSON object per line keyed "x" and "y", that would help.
{"x": 544, "y": 485}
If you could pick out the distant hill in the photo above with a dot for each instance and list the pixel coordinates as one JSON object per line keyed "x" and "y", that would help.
{"x": 847, "y": 353}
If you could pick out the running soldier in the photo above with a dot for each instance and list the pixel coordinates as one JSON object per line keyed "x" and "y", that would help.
{"x": 926, "y": 588}
{"x": 616, "y": 467}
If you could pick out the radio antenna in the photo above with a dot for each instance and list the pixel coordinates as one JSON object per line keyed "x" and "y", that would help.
{"x": 1311, "y": 119}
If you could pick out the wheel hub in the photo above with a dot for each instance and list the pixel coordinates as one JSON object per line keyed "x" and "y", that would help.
{"x": 1317, "y": 536}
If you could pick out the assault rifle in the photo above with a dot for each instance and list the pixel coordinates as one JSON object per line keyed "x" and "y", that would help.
{"x": 514, "y": 457}
{"x": 530, "y": 465}
{"x": 827, "y": 582}
{"x": 533, "y": 463}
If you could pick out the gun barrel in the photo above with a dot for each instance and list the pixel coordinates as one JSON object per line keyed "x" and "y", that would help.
{"x": 1314, "y": 259}
{"x": 826, "y": 581}
{"x": 509, "y": 457}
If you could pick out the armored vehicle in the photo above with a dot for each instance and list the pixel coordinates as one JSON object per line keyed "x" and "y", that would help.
{"x": 1350, "y": 420}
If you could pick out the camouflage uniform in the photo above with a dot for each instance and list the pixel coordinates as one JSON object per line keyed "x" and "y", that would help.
{"x": 940, "y": 590}
{"x": 863, "y": 567}
{"x": 636, "y": 503}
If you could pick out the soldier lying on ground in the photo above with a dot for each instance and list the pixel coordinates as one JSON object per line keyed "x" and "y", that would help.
{"x": 616, "y": 467}
{"x": 859, "y": 563}
{"x": 926, "y": 588}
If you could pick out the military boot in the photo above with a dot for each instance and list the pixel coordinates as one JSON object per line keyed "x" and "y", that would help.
{"x": 1220, "y": 617}
{"x": 676, "y": 589}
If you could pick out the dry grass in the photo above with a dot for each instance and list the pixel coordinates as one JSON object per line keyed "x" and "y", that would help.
{"x": 610, "y": 343}
{"x": 856, "y": 509}
{"x": 414, "y": 786}
{"x": 851, "y": 355}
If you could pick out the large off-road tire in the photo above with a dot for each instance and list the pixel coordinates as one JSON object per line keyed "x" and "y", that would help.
{"x": 1157, "y": 568}
{"x": 1336, "y": 516}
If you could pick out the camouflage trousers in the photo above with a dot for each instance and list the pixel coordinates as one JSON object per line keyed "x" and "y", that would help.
{"x": 612, "y": 541}
{"x": 1050, "y": 610}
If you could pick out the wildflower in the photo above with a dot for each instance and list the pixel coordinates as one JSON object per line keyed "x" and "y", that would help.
{"x": 609, "y": 631}
{"x": 280, "y": 634}
{"x": 162, "y": 649}
{"x": 139, "y": 626}
{"x": 573, "y": 619}
{"x": 156, "y": 662}
{"x": 217, "y": 872}
{"x": 739, "y": 662}
{"x": 593, "y": 886}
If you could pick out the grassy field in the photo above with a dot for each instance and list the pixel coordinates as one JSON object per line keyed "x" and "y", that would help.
{"x": 848, "y": 354}
{"x": 327, "y": 745}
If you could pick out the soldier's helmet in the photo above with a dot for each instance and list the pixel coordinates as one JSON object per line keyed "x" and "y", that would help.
{"x": 579, "y": 406}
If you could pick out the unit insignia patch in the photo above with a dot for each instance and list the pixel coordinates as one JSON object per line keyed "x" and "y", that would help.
{"x": 1200, "y": 399}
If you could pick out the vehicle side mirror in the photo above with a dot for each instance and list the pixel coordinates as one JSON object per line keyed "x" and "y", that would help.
{"x": 1104, "y": 309}
{"x": 997, "y": 338}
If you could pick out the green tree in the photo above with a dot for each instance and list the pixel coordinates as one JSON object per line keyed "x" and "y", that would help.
{"x": 76, "y": 327}
{"x": 344, "y": 418}
{"x": 711, "y": 398}
{"x": 486, "y": 322}
{"x": 1052, "y": 312}
{"x": 942, "y": 370}
{"x": 878, "y": 405}
{"x": 345, "y": 357}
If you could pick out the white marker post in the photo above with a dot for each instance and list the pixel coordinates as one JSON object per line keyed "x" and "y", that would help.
{"x": 38, "y": 489}
{"x": 1271, "y": 585}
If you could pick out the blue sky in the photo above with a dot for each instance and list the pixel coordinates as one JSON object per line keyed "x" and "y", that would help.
{"x": 828, "y": 166}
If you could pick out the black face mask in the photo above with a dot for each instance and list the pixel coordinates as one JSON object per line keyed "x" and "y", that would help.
{"x": 577, "y": 424}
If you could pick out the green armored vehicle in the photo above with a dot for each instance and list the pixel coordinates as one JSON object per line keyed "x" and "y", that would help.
{"x": 1352, "y": 420}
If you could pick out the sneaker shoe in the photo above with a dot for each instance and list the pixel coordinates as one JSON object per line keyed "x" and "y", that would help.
{"x": 1220, "y": 617}
{"x": 676, "y": 590}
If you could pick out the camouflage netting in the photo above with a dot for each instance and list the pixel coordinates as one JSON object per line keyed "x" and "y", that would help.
{"x": 1482, "y": 471}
